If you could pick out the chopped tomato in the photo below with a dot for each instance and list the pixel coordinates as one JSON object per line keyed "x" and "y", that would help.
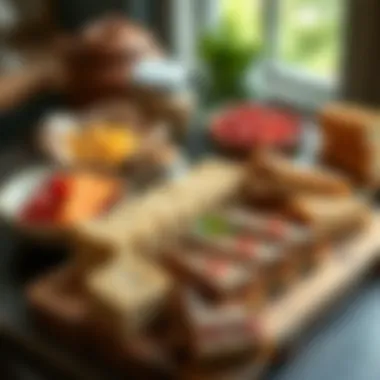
{"x": 247, "y": 126}
{"x": 71, "y": 198}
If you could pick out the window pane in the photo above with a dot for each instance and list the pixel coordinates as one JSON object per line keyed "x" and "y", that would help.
{"x": 309, "y": 34}
{"x": 247, "y": 16}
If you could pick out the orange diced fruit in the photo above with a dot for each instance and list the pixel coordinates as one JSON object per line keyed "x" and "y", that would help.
{"x": 89, "y": 195}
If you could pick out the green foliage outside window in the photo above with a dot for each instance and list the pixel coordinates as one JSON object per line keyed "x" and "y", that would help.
{"x": 308, "y": 30}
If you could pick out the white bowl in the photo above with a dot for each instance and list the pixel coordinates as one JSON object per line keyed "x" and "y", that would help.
{"x": 57, "y": 128}
{"x": 16, "y": 192}
{"x": 21, "y": 186}
{"x": 53, "y": 136}
{"x": 19, "y": 190}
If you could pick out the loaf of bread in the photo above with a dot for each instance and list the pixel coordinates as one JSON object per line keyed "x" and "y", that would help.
{"x": 59, "y": 301}
{"x": 295, "y": 243}
{"x": 275, "y": 176}
{"x": 158, "y": 215}
{"x": 237, "y": 246}
{"x": 330, "y": 218}
{"x": 217, "y": 330}
{"x": 242, "y": 368}
{"x": 129, "y": 292}
{"x": 60, "y": 304}
{"x": 351, "y": 141}
{"x": 145, "y": 355}
{"x": 270, "y": 226}
{"x": 216, "y": 276}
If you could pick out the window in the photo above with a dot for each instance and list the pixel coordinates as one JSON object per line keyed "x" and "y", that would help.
{"x": 302, "y": 44}
{"x": 309, "y": 33}
{"x": 301, "y": 41}
{"x": 304, "y": 38}
{"x": 247, "y": 14}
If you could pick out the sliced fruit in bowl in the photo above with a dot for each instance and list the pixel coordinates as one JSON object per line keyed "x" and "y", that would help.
{"x": 65, "y": 199}
{"x": 44, "y": 203}
{"x": 87, "y": 142}
{"x": 42, "y": 208}
{"x": 104, "y": 145}
{"x": 99, "y": 141}
{"x": 245, "y": 127}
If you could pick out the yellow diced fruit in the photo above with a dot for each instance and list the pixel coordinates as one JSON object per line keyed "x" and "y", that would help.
{"x": 105, "y": 144}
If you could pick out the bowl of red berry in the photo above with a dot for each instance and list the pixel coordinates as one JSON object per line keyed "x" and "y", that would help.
{"x": 43, "y": 202}
{"x": 240, "y": 129}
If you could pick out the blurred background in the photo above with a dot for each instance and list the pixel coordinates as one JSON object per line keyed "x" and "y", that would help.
{"x": 298, "y": 53}
{"x": 304, "y": 52}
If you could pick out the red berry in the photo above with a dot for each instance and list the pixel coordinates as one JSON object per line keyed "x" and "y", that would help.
{"x": 58, "y": 187}
{"x": 33, "y": 213}
{"x": 246, "y": 247}
{"x": 42, "y": 208}
{"x": 217, "y": 268}
{"x": 277, "y": 228}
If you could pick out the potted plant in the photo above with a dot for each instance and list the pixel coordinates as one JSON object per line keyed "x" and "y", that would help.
{"x": 227, "y": 57}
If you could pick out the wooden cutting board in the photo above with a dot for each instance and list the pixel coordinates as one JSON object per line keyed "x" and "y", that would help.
{"x": 284, "y": 319}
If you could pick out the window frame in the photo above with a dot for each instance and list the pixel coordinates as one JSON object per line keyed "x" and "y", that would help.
{"x": 188, "y": 19}
{"x": 286, "y": 82}
{"x": 278, "y": 81}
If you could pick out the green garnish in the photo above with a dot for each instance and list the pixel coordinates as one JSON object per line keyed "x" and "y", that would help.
{"x": 213, "y": 225}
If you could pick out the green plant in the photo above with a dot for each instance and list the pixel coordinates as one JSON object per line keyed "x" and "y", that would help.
{"x": 227, "y": 56}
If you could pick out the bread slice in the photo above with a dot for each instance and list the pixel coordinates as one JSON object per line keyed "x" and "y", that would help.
{"x": 216, "y": 330}
{"x": 129, "y": 292}
{"x": 273, "y": 175}
{"x": 330, "y": 217}
{"x": 351, "y": 141}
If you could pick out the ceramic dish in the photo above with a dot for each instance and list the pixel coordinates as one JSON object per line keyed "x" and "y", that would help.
{"x": 18, "y": 191}
{"x": 21, "y": 186}
{"x": 58, "y": 128}
{"x": 241, "y": 128}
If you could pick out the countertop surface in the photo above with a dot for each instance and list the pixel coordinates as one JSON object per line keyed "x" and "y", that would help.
{"x": 344, "y": 346}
